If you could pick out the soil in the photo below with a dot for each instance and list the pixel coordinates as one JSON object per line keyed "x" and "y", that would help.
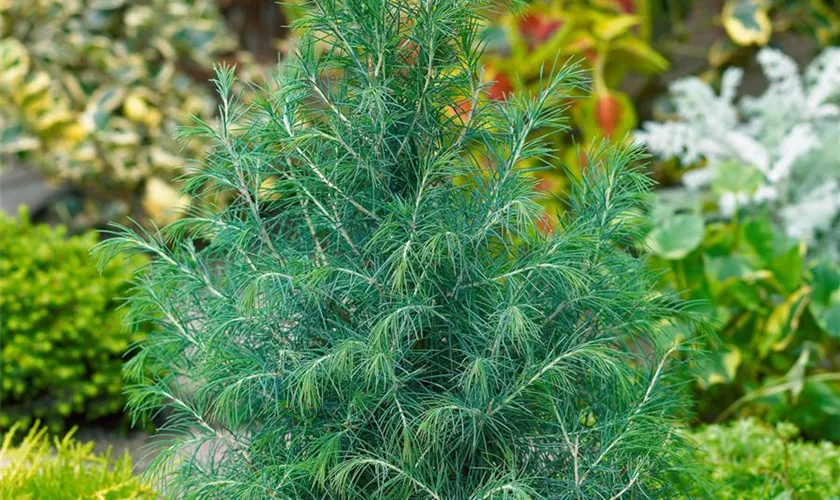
{"x": 136, "y": 443}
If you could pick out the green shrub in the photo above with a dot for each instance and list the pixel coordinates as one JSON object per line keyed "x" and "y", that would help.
{"x": 359, "y": 325}
{"x": 749, "y": 460}
{"x": 63, "y": 340}
{"x": 67, "y": 470}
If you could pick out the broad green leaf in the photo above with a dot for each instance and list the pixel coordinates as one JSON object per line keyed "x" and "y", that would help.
{"x": 783, "y": 322}
{"x": 610, "y": 27}
{"x": 817, "y": 408}
{"x": 735, "y": 276}
{"x": 728, "y": 267}
{"x": 722, "y": 366}
{"x": 746, "y": 294}
{"x": 99, "y": 108}
{"x": 13, "y": 139}
{"x": 734, "y": 177}
{"x": 747, "y": 21}
{"x": 825, "y": 305}
{"x": 639, "y": 55}
{"x": 721, "y": 238}
{"x": 788, "y": 267}
{"x": 676, "y": 236}
{"x": 759, "y": 235}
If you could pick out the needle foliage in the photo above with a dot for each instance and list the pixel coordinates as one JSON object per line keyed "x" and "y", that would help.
{"x": 375, "y": 314}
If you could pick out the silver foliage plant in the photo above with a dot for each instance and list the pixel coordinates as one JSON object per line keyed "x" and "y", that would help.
{"x": 780, "y": 149}
{"x": 374, "y": 313}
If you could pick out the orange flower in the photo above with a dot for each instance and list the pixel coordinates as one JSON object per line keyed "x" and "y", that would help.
{"x": 501, "y": 87}
{"x": 607, "y": 113}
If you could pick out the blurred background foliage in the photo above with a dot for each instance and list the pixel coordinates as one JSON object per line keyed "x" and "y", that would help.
{"x": 777, "y": 315}
{"x": 611, "y": 38}
{"x": 93, "y": 91}
{"x": 753, "y": 22}
{"x": 753, "y": 235}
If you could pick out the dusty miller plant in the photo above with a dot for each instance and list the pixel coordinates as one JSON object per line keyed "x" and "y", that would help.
{"x": 779, "y": 150}
{"x": 375, "y": 314}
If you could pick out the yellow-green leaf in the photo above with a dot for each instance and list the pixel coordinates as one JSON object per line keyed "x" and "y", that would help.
{"x": 14, "y": 62}
{"x": 610, "y": 27}
{"x": 787, "y": 267}
{"x": 722, "y": 368}
{"x": 639, "y": 55}
{"x": 747, "y": 22}
{"x": 783, "y": 322}
{"x": 676, "y": 236}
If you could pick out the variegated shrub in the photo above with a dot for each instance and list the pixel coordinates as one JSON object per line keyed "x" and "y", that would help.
{"x": 93, "y": 90}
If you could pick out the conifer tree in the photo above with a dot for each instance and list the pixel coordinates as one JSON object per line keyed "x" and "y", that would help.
{"x": 375, "y": 313}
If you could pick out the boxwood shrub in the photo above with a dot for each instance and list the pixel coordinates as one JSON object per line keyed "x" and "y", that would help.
{"x": 63, "y": 341}
{"x": 748, "y": 459}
